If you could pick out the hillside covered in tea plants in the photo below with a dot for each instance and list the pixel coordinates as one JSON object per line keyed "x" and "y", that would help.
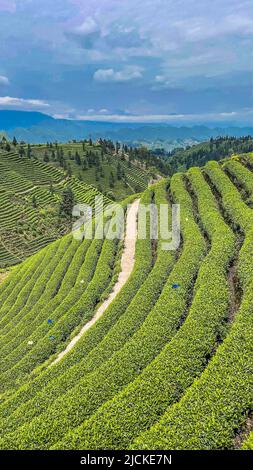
{"x": 36, "y": 201}
{"x": 114, "y": 169}
{"x": 169, "y": 363}
{"x": 40, "y": 184}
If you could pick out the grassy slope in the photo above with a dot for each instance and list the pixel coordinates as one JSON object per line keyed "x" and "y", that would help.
{"x": 30, "y": 196}
{"x": 134, "y": 179}
{"x": 164, "y": 361}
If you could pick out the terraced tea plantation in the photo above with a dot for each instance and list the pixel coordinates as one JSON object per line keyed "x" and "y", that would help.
{"x": 169, "y": 363}
{"x": 96, "y": 164}
{"x": 30, "y": 196}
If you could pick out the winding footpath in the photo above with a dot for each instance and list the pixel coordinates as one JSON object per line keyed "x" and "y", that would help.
{"x": 127, "y": 265}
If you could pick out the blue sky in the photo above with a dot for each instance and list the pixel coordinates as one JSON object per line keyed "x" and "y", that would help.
{"x": 128, "y": 60}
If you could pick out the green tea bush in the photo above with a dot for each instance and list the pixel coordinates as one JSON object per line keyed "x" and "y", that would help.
{"x": 127, "y": 363}
{"x": 91, "y": 339}
{"x": 248, "y": 443}
{"x": 240, "y": 175}
{"x": 164, "y": 381}
{"x": 217, "y": 403}
{"x": 13, "y": 306}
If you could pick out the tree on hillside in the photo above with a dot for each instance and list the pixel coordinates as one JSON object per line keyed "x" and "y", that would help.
{"x": 117, "y": 147}
{"x": 34, "y": 201}
{"x": 46, "y": 157}
{"x": 69, "y": 170}
{"x": 78, "y": 159}
{"x": 21, "y": 152}
{"x": 60, "y": 157}
{"x": 67, "y": 202}
{"x": 96, "y": 174}
{"x": 111, "y": 180}
{"x": 14, "y": 141}
{"x": 29, "y": 151}
{"x": 119, "y": 172}
{"x": 84, "y": 164}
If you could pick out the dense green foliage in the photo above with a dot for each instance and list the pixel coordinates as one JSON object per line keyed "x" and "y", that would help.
{"x": 216, "y": 404}
{"x": 34, "y": 201}
{"x": 214, "y": 149}
{"x": 165, "y": 379}
{"x": 114, "y": 170}
{"x": 169, "y": 364}
{"x": 248, "y": 444}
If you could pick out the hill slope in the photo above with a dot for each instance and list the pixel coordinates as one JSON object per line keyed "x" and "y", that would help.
{"x": 97, "y": 164}
{"x": 10, "y": 119}
{"x": 214, "y": 149}
{"x": 169, "y": 363}
{"x": 31, "y": 193}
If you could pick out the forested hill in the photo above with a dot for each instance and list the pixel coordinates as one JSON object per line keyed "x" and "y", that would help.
{"x": 115, "y": 169}
{"x": 214, "y": 149}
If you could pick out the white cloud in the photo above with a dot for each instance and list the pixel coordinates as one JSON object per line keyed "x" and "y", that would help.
{"x": 169, "y": 118}
{"x": 4, "y": 80}
{"x": 161, "y": 81}
{"x": 160, "y": 78}
{"x": 102, "y": 111}
{"x": 89, "y": 26}
{"x": 61, "y": 116}
{"x": 181, "y": 42}
{"x": 10, "y": 101}
{"x": 126, "y": 74}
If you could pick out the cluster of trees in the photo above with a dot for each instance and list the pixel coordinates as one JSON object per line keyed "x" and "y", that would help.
{"x": 23, "y": 149}
{"x": 67, "y": 203}
{"x": 179, "y": 159}
{"x": 142, "y": 156}
{"x": 6, "y": 145}
{"x": 147, "y": 158}
{"x": 91, "y": 158}
{"x": 198, "y": 155}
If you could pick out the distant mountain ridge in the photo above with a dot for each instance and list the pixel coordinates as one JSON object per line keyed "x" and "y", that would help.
{"x": 11, "y": 119}
{"x": 35, "y": 127}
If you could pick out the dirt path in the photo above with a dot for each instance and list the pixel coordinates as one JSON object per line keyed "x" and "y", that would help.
{"x": 3, "y": 276}
{"x": 244, "y": 432}
{"x": 127, "y": 264}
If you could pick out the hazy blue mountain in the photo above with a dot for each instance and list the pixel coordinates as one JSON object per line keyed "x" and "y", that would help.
{"x": 10, "y": 120}
{"x": 37, "y": 127}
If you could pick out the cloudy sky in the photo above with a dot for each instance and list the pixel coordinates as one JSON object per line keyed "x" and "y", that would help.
{"x": 147, "y": 60}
